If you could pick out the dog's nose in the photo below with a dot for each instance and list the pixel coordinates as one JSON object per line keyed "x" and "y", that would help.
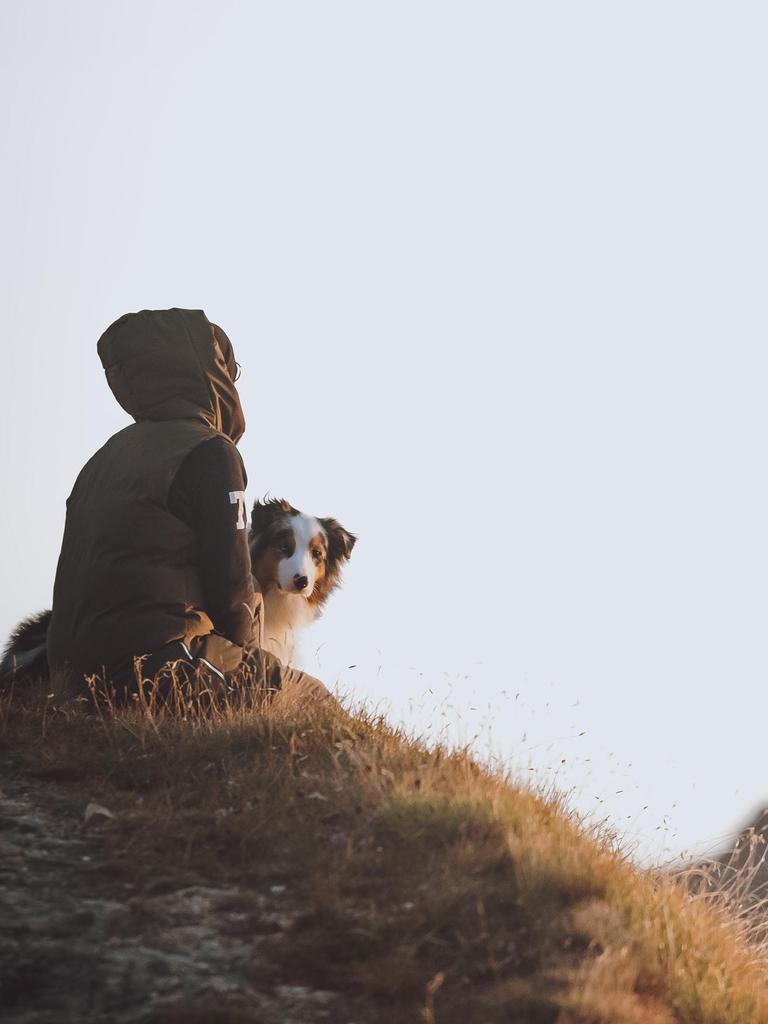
{"x": 300, "y": 581}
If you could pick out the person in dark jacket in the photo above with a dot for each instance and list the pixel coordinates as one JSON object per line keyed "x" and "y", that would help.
{"x": 154, "y": 563}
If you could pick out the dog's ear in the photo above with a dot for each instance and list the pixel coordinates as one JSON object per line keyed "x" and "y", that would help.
{"x": 259, "y": 515}
{"x": 266, "y": 511}
{"x": 340, "y": 541}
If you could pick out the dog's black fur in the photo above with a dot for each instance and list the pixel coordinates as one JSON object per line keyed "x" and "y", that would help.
{"x": 26, "y": 652}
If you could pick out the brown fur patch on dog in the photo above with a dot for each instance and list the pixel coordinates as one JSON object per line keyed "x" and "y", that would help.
{"x": 340, "y": 544}
{"x": 264, "y": 566}
{"x": 319, "y": 543}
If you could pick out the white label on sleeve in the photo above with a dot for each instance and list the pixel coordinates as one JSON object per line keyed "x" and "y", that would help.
{"x": 238, "y": 498}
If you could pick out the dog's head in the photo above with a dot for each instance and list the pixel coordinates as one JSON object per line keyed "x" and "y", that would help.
{"x": 299, "y": 554}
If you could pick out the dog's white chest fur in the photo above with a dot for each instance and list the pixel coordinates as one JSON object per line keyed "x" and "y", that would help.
{"x": 284, "y": 616}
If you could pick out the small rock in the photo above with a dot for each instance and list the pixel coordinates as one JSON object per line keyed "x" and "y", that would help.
{"x": 95, "y": 813}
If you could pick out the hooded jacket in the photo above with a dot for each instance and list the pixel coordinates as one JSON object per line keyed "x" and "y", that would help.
{"x": 128, "y": 579}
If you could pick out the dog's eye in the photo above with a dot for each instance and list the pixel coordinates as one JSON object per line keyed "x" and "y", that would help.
{"x": 317, "y": 554}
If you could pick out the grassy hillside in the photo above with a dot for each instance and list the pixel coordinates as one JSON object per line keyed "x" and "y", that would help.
{"x": 432, "y": 889}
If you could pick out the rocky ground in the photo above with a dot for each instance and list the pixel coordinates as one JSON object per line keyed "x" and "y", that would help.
{"x": 80, "y": 943}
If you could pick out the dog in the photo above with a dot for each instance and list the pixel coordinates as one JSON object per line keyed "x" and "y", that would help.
{"x": 296, "y": 559}
{"x": 296, "y": 562}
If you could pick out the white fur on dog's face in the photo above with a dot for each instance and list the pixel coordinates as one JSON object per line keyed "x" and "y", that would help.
{"x": 298, "y": 572}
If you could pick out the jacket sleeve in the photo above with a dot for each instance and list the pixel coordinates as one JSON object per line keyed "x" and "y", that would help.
{"x": 208, "y": 493}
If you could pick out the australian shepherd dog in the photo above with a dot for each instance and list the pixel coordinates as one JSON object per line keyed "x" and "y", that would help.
{"x": 296, "y": 561}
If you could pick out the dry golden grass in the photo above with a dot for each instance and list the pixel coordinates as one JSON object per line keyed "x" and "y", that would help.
{"x": 437, "y": 888}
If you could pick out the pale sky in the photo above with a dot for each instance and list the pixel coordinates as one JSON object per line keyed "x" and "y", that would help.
{"x": 496, "y": 276}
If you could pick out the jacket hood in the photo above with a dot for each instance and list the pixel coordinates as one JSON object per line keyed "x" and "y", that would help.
{"x": 173, "y": 364}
